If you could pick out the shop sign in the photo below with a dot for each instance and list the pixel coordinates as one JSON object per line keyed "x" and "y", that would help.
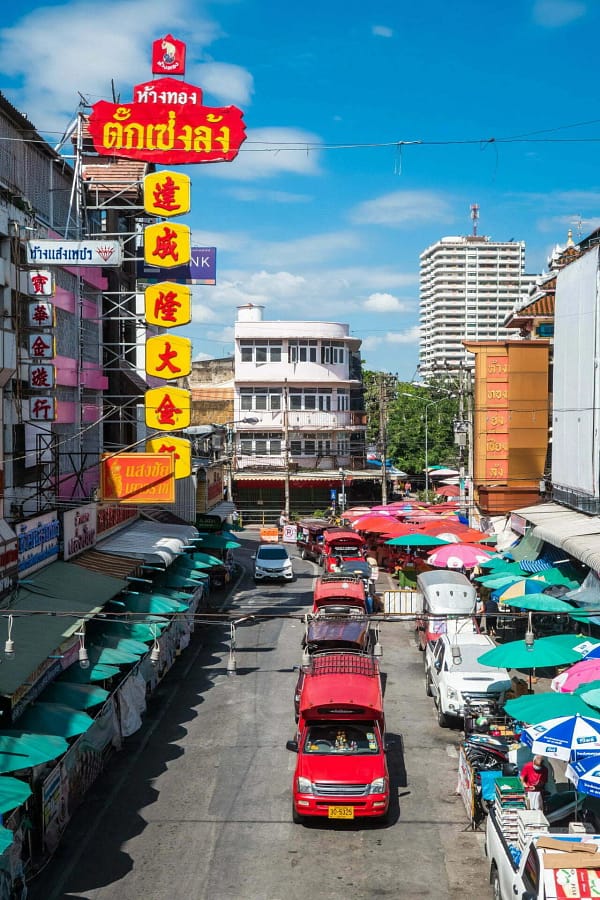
{"x": 40, "y": 283}
{"x": 167, "y": 244}
{"x": 168, "y": 55}
{"x": 201, "y": 269}
{"x": 214, "y": 485}
{"x": 42, "y": 409}
{"x": 111, "y": 517}
{"x": 168, "y": 356}
{"x": 138, "y": 477}
{"x": 79, "y": 530}
{"x": 74, "y": 253}
{"x": 518, "y": 524}
{"x": 167, "y": 124}
{"x": 179, "y": 447}
{"x": 41, "y": 346}
{"x": 38, "y": 542}
{"x": 210, "y": 524}
{"x": 168, "y": 408}
{"x": 167, "y": 193}
{"x": 41, "y": 375}
{"x": 41, "y": 315}
{"x": 168, "y": 304}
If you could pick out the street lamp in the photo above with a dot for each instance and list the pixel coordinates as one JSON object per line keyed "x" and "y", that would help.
{"x": 343, "y": 493}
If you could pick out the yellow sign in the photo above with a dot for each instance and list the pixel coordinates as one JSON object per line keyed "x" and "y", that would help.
{"x": 179, "y": 447}
{"x": 168, "y": 356}
{"x": 168, "y": 408}
{"x": 167, "y": 193}
{"x": 167, "y": 245}
{"x": 168, "y": 304}
{"x": 138, "y": 478}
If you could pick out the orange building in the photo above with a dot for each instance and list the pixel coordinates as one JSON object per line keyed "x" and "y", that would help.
{"x": 510, "y": 422}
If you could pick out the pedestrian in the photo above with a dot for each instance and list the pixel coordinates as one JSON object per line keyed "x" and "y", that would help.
{"x": 282, "y": 520}
{"x": 479, "y": 612}
{"x": 491, "y": 615}
{"x": 534, "y": 776}
{"x": 407, "y": 489}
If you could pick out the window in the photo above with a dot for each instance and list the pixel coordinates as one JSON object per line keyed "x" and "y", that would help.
{"x": 246, "y": 353}
{"x": 332, "y": 354}
{"x": 260, "y": 352}
{"x": 260, "y": 399}
{"x": 302, "y": 351}
{"x": 343, "y": 400}
{"x": 264, "y": 444}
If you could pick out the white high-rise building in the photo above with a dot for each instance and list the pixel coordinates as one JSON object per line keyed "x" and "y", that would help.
{"x": 468, "y": 286}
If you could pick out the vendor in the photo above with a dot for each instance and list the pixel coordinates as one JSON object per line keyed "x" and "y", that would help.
{"x": 534, "y": 776}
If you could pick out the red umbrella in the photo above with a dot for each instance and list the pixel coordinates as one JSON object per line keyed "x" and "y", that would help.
{"x": 448, "y": 490}
{"x": 376, "y": 524}
{"x": 395, "y": 529}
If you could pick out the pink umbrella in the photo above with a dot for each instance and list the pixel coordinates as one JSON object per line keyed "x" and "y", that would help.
{"x": 580, "y": 673}
{"x": 458, "y": 556}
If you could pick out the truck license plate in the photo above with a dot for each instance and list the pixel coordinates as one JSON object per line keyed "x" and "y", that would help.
{"x": 341, "y": 812}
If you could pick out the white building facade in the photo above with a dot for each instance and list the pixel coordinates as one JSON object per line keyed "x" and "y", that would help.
{"x": 297, "y": 395}
{"x": 468, "y": 285}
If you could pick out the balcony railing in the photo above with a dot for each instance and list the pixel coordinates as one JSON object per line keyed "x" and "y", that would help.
{"x": 312, "y": 420}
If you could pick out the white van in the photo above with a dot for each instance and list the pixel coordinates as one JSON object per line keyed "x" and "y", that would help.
{"x": 454, "y": 677}
{"x": 445, "y": 599}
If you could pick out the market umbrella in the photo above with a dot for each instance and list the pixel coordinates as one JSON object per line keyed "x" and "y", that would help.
{"x": 77, "y": 696}
{"x": 13, "y": 793}
{"x": 22, "y": 750}
{"x": 187, "y": 565}
{"x": 219, "y": 542}
{"x": 494, "y": 582}
{"x": 589, "y": 692}
{"x": 97, "y": 672}
{"x": 153, "y": 603}
{"x": 55, "y": 718}
{"x": 416, "y": 540}
{"x": 356, "y": 511}
{"x": 457, "y": 556}
{"x": 395, "y": 529}
{"x": 6, "y": 838}
{"x": 535, "y": 708}
{"x": 540, "y": 603}
{"x": 448, "y": 490}
{"x": 545, "y": 653}
{"x": 441, "y": 471}
{"x": 585, "y": 775}
{"x": 527, "y": 585}
{"x": 207, "y": 558}
{"x": 377, "y": 524}
{"x": 563, "y": 737}
{"x": 584, "y": 671}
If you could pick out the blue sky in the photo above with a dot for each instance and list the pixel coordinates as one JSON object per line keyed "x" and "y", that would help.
{"x": 325, "y": 211}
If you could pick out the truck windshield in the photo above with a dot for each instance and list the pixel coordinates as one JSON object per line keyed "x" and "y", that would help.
{"x": 339, "y": 738}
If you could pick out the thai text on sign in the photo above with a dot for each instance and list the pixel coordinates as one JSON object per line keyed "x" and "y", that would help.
{"x": 138, "y": 478}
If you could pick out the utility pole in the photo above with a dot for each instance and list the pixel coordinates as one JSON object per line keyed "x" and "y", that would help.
{"x": 386, "y": 384}
{"x": 286, "y": 449}
{"x": 460, "y": 438}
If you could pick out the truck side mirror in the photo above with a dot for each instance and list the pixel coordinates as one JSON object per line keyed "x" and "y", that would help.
{"x": 292, "y": 745}
{"x": 253, "y": 556}
{"x": 438, "y": 665}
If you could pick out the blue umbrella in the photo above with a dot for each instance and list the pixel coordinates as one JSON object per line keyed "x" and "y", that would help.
{"x": 566, "y": 737}
{"x": 585, "y": 775}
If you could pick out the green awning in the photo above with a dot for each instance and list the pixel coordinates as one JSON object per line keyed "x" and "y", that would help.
{"x": 96, "y": 672}
{"x": 142, "y": 631}
{"x": 189, "y": 565}
{"x": 219, "y": 542}
{"x": 153, "y": 603}
{"x": 207, "y": 558}
{"x": 59, "y": 587}
{"x": 13, "y": 793}
{"x": 55, "y": 718}
{"x": 21, "y": 750}
{"x": 128, "y": 644}
{"x": 78, "y": 696}
{"x": 109, "y": 656}
{"x": 178, "y": 581}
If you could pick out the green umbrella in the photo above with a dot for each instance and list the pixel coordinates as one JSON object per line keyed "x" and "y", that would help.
{"x": 13, "y": 793}
{"x": 417, "y": 540}
{"x": 77, "y": 696}
{"x": 109, "y": 656}
{"x": 54, "y": 718}
{"x": 177, "y": 581}
{"x": 128, "y": 644}
{"x": 96, "y": 672}
{"x": 141, "y": 631}
{"x": 153, "y": 603}
{"x": 219, "y": 542}
{"x": 493, "y": 582}
{"x": 540, "y": 603}
{"x": 188, "y": 565}
{"x": 207, "y": 558}
{"x": 22, "y": 750}
{"x": 545, "y": 653}
{"x": 534, "y": 708}
{"x": 6, "y": 838}
{"x": 501, "y": 566}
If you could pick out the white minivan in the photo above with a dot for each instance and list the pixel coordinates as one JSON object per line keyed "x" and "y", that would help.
{"x": 455, "y": 679}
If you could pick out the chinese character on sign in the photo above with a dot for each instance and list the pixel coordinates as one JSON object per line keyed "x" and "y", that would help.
{"x": 167, "y": 408}
{"x": 167, "y": 245}
{"x": 181, "y": 449}
{"x": 167, "y": 193}
{"x": 168, "y": 357}
{"x": 41, "y": 315}
{"x": 41, "y": 376}
{"x": 41, "y": 409}
{"x": 40, "y": 283}
{"x": 168, "y": 304}
{"x": 41, "y": 345}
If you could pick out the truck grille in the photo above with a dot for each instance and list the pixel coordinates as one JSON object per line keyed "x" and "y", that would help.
{"x": 327, "y": 789}
{"x": 480, "y": 697}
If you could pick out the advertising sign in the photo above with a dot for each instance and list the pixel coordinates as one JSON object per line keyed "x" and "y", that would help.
{"x": 74, "y": 253}
{"x": 41, "y": 315}
{"x": 167, "y": 124}
{"x": 168, "y": 356}
{"x": 167, "y": 193}
{"x": 38, "y": 542}
{"x": 168, "y": 56}
{"x": 111, "y": 517}
{"x": 201, "y": 269}
{"x": 168, "y": 304}
{"x": 138, "y": 478}
{"x": 42, "y": 409}
{"x": 168, "y": 408}
{"x": 167, "y": 244}
{"x": 179, "y": 447}
{"x": 208, "y": 523}
{"x": 41, "y": 375}
{"x": 79, "y": 530}
{"x": 40, "y": 283}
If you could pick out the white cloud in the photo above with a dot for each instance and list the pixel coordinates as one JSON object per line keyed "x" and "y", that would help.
{"x": 382, "y": 31}
{"x": 225, "y": 82}
{"x": 403, "y": 208}
{"x": 271, "y": 151}
{"x": 254, "y": 195}
{"x": 409, "y": 336}
{"x": 199, "y": 356}
{"x": 86, "y": 51}
{"x": 226, "y": 335}
{"x": 203, "y": 313}
{"x": 384, "y": 303}
{"x": 555, "y": 13}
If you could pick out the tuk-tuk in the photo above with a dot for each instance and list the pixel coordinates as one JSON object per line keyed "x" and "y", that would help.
{"x": 338, "y": 633}
{"x": 339, "y": 594}
{"x": 447, "y": 600}
{"x": 309, "y": 538}
{"x": 341, "y": 545}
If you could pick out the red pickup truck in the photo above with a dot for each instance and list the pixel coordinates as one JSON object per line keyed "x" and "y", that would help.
{"x": 341, "y": 769}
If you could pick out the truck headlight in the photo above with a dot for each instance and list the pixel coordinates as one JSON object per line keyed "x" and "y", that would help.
{"x": 304, "y": 786}
{"x": 379, "y": 786}
{"x": 452, "y": 694}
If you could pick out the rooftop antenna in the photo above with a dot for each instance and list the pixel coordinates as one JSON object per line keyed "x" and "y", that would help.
{"x": 475, "y": 217}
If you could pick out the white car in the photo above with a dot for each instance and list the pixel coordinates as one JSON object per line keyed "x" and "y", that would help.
{"x": 455, "y": 679}
{"x": 272, "y": 562}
